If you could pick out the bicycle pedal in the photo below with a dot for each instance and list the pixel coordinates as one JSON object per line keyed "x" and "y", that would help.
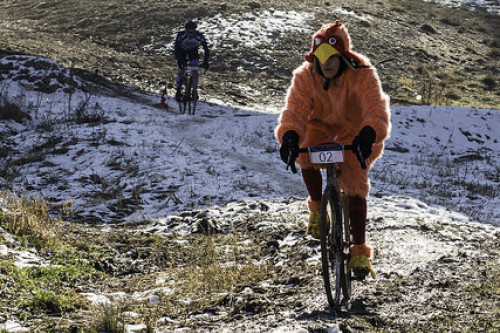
{"x": 360, "y": 274}
{"x": 358, "y": 278}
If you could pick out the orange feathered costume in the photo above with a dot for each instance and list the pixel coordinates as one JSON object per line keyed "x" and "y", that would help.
{"x": 338, "y": 114}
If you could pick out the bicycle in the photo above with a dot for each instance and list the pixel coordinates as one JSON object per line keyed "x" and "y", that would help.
{"x": 189, "y": 89}
{"x": 335, "y": 230}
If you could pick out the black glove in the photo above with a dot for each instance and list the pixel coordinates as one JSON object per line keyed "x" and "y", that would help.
{"x": 205, "y": 65}
{"x": 181, "y": 63}
{"x": 363, "y": 143}
{"x": 290, "y": 143}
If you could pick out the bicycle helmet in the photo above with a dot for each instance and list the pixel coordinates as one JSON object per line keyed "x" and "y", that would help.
{"x": 190, "y": 25}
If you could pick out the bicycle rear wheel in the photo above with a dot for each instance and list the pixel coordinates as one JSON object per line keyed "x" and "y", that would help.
{"x": 332, "y": 248}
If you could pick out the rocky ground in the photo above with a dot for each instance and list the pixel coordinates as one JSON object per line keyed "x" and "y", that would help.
{"x": 247, "y": 266}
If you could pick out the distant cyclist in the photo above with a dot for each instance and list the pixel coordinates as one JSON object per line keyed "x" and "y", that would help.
{"x": 187, "y": 44}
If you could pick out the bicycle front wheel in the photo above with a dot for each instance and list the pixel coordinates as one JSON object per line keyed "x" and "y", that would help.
{"x": 346, "y": 281}
{"x": 183, "y": 99}
{"x": 182, "y": 105}
{"x": 332, "y": 245}
{"x": 193, "y": 96}
{"x": 187, "y": 99}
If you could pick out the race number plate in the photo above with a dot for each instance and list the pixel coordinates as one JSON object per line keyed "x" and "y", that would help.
{"x": 325, "y": 154}
{"x": 192, "y": 68}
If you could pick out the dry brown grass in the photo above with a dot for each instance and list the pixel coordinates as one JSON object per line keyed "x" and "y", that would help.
{"x": 28, "y": 218}
{"x": 187, "y": 274}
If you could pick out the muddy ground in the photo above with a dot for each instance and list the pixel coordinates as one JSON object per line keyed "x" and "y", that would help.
{"x": 248, "y": 267}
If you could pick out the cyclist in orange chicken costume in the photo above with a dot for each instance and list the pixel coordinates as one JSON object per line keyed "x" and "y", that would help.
{"x": 336, "y": 96}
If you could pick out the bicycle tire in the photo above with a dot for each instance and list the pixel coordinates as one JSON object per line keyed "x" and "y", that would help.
{"x": 192, "y": 96}
{"x": 182, "y": 100}
{"x": 187, "y": 95}
{"x": 346, "y": 281}
{"x": 332, "y": 254}
{"x": 182, "y": 105}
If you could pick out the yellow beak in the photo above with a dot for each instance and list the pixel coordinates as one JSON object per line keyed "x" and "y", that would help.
{"x": 324, "y": 52}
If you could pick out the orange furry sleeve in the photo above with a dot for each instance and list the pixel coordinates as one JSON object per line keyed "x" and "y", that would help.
{"x": 298, "y": 105}
{"x": 375, "y": 104}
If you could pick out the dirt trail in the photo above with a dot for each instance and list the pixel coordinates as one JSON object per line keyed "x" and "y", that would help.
{"x": 434, "y": 273}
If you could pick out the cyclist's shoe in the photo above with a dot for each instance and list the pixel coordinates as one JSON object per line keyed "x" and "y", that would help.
{"x": 313, "y": 227}
{"x": 359, "y": 263}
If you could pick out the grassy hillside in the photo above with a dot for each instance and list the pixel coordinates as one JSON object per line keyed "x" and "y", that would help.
{"x": 439, "y": 55}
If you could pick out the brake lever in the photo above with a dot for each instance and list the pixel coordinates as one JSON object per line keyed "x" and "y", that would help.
{"x": 360, "y": 157}
{"x": 289, "y": 163}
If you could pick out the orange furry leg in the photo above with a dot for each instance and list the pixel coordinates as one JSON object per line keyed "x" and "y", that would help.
{"x": 361, "y": 250}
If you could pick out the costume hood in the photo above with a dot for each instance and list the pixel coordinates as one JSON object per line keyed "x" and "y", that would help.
{"x": 336, "y": 36}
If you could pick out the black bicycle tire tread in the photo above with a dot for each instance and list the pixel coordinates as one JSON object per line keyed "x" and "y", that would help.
{"x": 325, "y": 264}
{"x": 182, "y": 102}
{"x": 346, "y": 281}
{"x": 192, "y": 98}
{"x": 188, "y": 95}
{"x": 334, "y": 200}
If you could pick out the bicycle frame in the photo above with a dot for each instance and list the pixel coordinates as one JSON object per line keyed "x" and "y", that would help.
{"x": 190, "y": 95}
{"x": 335, "y": 224}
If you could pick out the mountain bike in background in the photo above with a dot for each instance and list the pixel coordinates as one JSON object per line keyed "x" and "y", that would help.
{"x": 189, "y": 88}
{"x": 335, "y": 229}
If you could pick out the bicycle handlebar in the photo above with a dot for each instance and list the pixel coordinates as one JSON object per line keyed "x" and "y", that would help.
{"x": 354, "y": 149}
